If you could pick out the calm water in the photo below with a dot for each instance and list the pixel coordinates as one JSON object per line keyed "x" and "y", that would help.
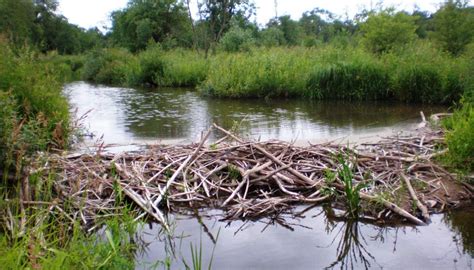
{"x": 313, "y": 242}
{"x": 125, "y": 116}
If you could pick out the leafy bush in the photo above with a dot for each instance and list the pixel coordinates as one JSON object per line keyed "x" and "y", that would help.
{"x": 387, "y": 30}
{"x": 34, "y": 115}
{"x": 460, "y": 139}
{"x": 108, "y": 66}
{"x": 237, "y": 39}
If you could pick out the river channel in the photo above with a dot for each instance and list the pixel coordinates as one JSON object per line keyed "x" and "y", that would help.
{"x": 314, "y": 239}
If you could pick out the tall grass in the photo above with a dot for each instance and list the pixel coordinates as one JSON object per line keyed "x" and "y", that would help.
{"x": 460, "y": 138}
{"x": 419, "y": 74}
{"x": 33, "y": 115}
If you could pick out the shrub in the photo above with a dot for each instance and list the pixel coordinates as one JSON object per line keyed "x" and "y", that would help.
{"x": 387, "y": 30}
{"x": 34, "y": 115}
{"x": 460, "y": 139}
{"x": 108, "y": 66}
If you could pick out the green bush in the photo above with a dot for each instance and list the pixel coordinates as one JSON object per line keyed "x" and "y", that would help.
{"x": 34, "y": 114}
{"x": 108, "y": 66}
{"x": 460, "y": 139}
{"x": 149, "y": 69}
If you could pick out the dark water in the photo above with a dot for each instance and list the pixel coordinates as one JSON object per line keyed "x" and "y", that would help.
{"x": 316, "y": 241}
{"x": 126, "y": 115}
{"x": 313, "y": 242}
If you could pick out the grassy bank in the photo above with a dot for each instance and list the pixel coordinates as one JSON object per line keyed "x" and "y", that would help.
{"x": 420, "y": 73}
{"x": 34, "y": 116}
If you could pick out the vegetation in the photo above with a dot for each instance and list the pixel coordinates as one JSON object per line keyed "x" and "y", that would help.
{"x": 380, "y": 54}
{"x": 34, "y": 115}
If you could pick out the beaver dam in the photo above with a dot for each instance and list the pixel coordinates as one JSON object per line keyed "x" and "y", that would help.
{"x": 395, "y": 179}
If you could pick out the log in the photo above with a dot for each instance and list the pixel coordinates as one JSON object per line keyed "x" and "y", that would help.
{"x": 421, "y": 206}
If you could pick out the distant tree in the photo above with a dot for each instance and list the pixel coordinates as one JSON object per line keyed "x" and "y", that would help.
{"x": 237, "y": 39}
{"x": 271, "y": 37}
{"x": 151, "y": 20}
{"x": 291, "y": 29}
{"x": 17, "y": 20}
{"x": 217, "y": 15}
{"x": 386, "y": 30}
{"x": 424, "y": 22}
{"x": 454, "y": 25}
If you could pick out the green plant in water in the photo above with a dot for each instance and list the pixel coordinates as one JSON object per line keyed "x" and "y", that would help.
{"x": 351, "y": 191}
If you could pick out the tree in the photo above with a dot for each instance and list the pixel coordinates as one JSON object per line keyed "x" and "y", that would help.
{"x": 151, "y": 20}
{"x": 217, "y": 16}
{"x": 290, "y": 29}
{"x": 16, "y": 20}
{"x": 454, "y": 25}
{"x": 237, "y": 39}
{"x": 386, "y": 30}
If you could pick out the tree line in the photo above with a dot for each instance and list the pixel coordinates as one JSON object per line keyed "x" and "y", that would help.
{"x": 230, "y": 25}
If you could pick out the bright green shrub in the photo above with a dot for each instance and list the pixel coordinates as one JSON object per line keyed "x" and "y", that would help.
{"x": 460, "y": 138}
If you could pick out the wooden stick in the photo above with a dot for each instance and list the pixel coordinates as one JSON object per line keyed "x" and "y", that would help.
{"x": 394, "y": 208}
{"x": 421, "y": 206}
{"x": 272, "y": 157}
{"x": 184, "y": 164}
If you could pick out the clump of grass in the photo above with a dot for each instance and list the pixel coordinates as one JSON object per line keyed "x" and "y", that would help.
{"x": 182, "y": 68}
{"x": 351, "y": 191}
{"x": 349, "y": 81}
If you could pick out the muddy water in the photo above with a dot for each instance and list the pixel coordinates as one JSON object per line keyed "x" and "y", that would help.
{"x": 315, "y": 241}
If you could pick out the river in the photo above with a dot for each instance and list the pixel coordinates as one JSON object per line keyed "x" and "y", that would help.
{"x": 314, "y": 240}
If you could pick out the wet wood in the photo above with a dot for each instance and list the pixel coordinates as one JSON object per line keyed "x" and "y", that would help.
{"x": 248, "y": 179}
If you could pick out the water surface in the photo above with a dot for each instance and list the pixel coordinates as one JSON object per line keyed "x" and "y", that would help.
{"x": 313, "y": 242}
{"x": 125, "y": 115}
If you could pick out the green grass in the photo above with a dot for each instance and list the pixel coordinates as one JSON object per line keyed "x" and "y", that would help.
{"x": 460, "y": 138}
{"x": 34, "y": 116}
{"x": 351, "y": 191}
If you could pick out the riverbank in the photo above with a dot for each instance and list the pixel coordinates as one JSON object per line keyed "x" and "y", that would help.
{"x": 420, "y": 73}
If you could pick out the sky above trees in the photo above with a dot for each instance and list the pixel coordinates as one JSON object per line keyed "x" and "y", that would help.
{"x": 91, "y": 13}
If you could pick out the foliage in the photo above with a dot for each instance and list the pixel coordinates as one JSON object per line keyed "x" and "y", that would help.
{"x": 387, "y": 30}
{"x": 349, "y": 81}
{"x": 34, "y": 114}
{"x": 351, "y": 191}
{"x": 37, "y": 23}
{"x": 454, "y": 26}
{"x": 156, "y": 20}
{"x": 237, "y": 39}
{"x": 460, "y": 139}
{"x": 108, "y": 66}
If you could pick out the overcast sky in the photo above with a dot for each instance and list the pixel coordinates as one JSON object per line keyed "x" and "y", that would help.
{"x": 90, "y": 13}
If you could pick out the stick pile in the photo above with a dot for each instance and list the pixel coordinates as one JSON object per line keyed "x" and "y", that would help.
{"x": 250, "y": 179}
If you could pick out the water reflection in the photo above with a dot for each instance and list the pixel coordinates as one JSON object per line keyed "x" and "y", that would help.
{"x": 125, "y": 115}
{"x": 314, "y": 239}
